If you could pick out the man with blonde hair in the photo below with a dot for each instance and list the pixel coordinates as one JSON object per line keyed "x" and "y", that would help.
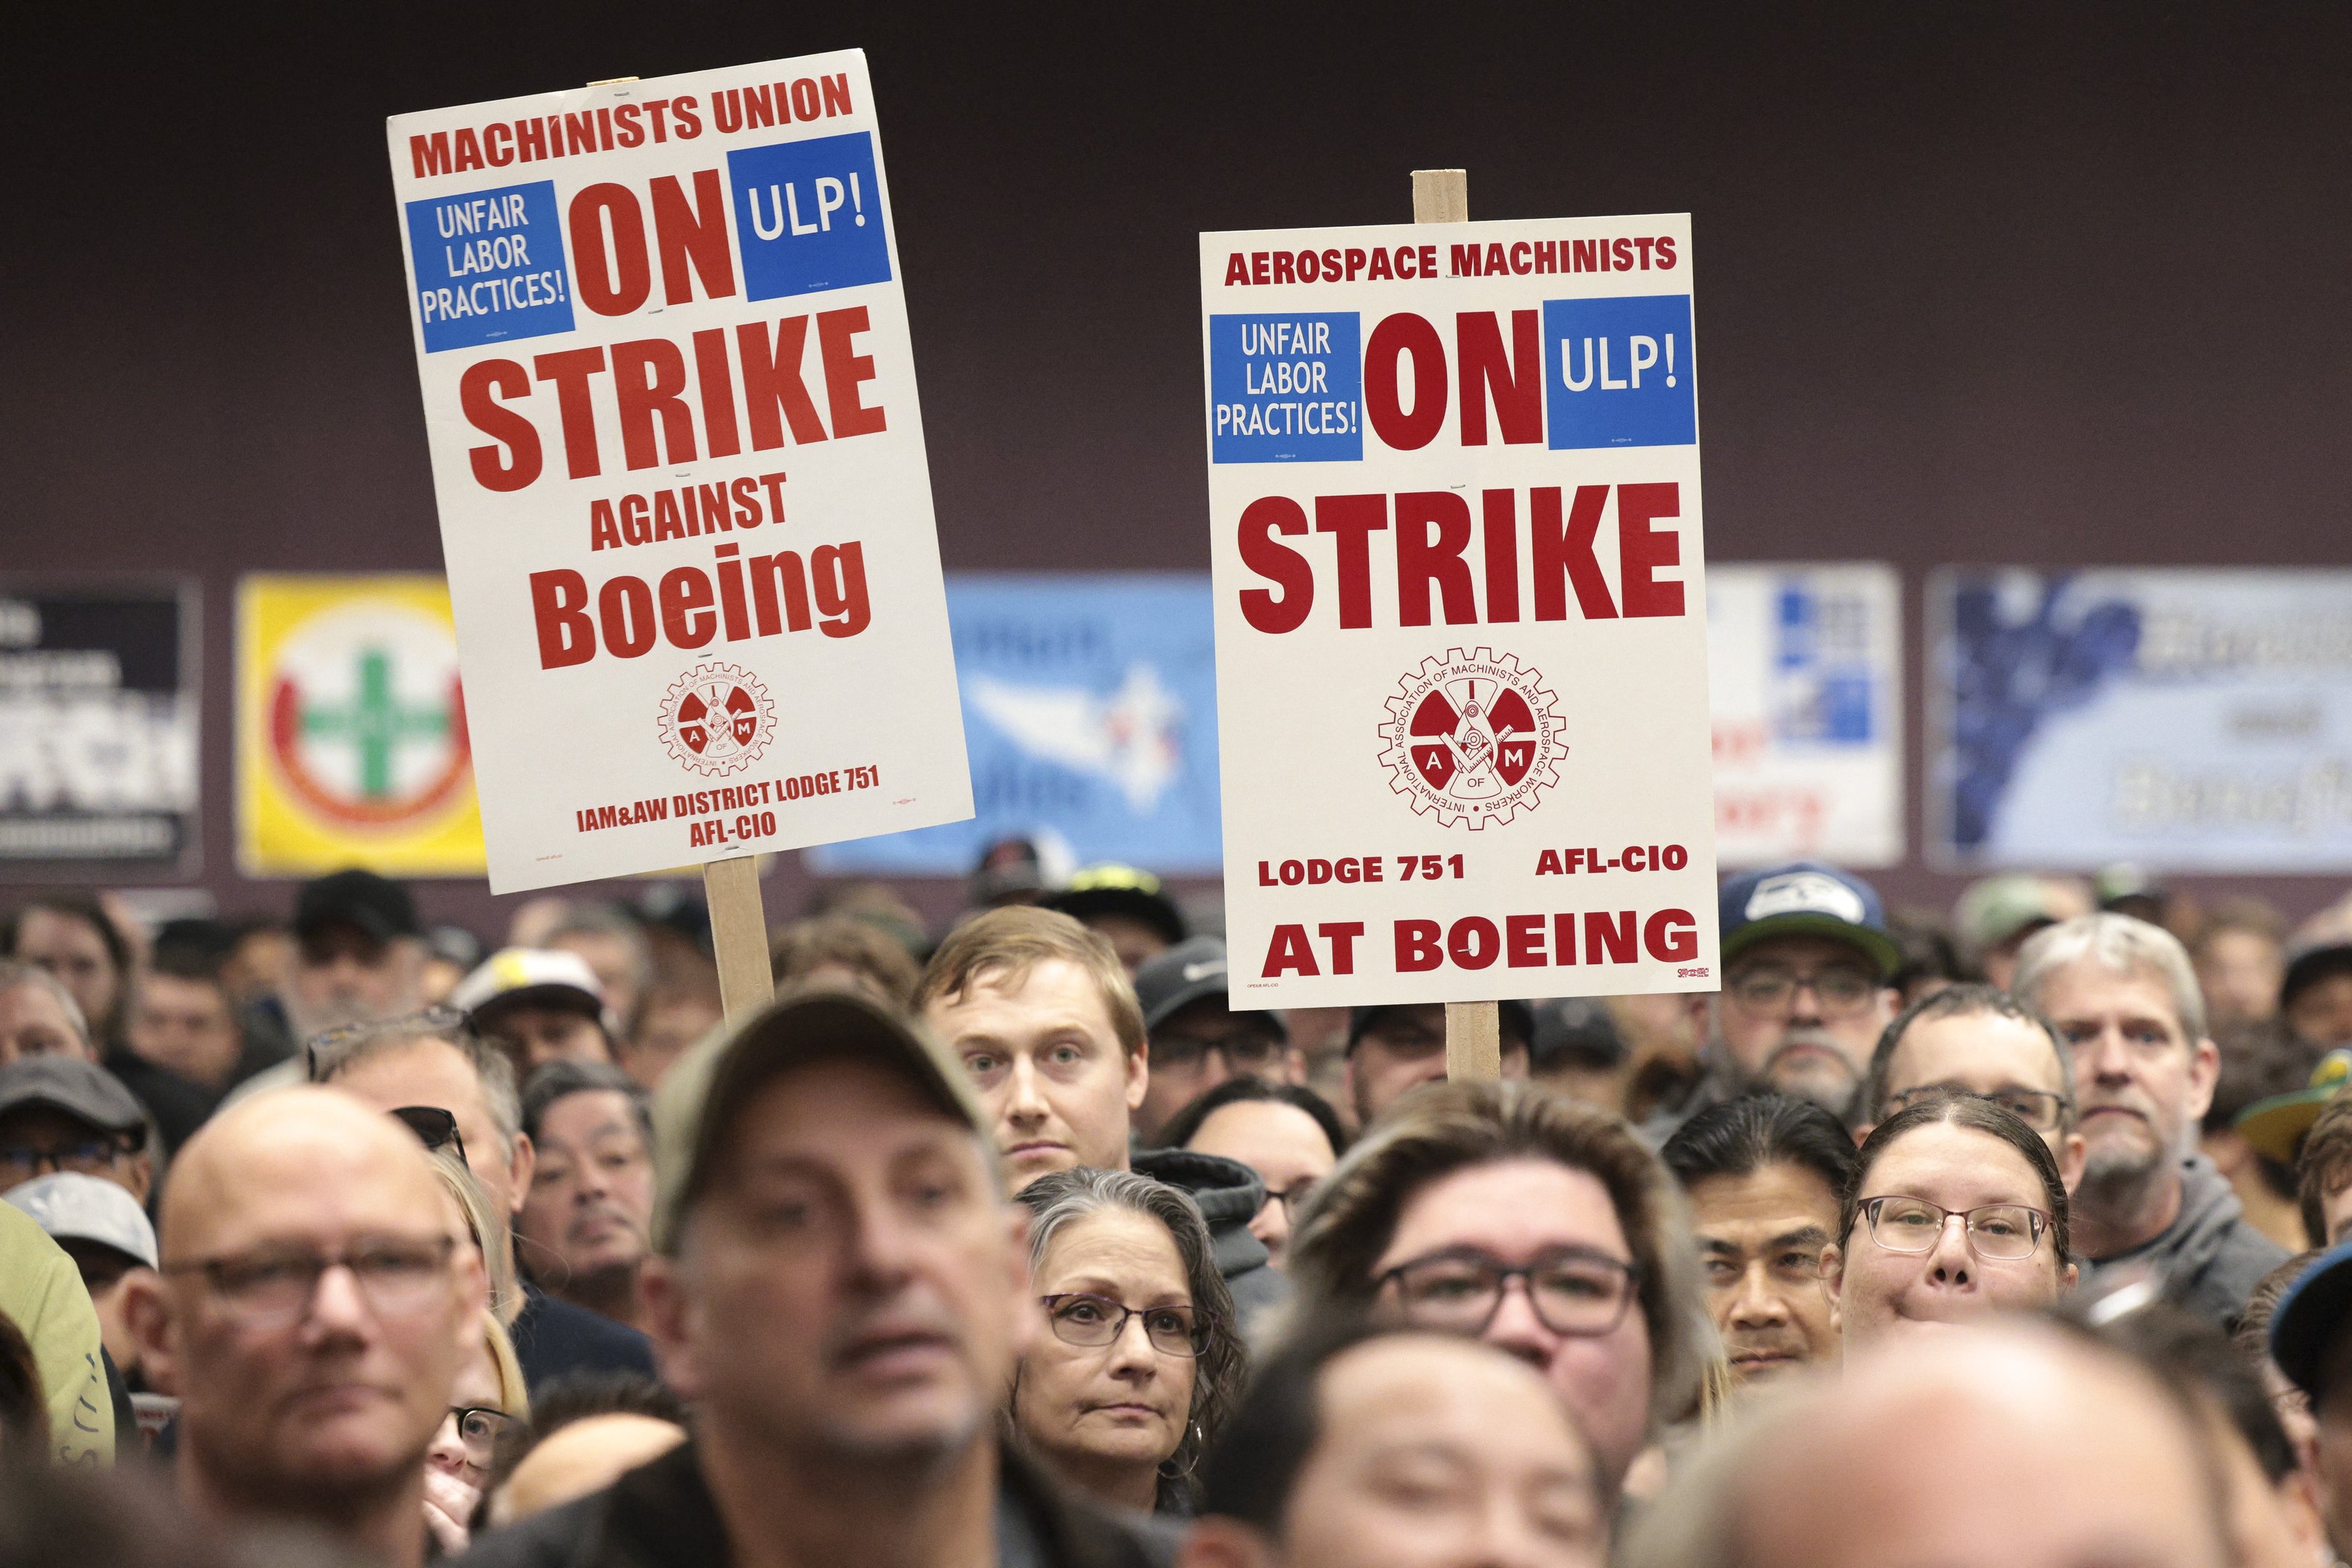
{"x": 2124, "y": 997}
{"x": 1041, "y": 1014}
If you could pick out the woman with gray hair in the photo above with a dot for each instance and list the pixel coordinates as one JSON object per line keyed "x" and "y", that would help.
{"x": 1141, "y": 1364}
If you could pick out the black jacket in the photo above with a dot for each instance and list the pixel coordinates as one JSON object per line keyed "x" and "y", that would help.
{"x": 552, "y": 1337}
{"x": 661, "y": 1515}
{"x": 1229, "y": 1194}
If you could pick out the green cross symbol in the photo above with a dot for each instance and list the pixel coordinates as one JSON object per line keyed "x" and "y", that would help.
{"x": 375, "y": 721}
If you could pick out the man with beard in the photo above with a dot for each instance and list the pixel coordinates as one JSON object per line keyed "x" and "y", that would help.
{"x": 1806, "y": 958}
{"x": 2123, "y": 995}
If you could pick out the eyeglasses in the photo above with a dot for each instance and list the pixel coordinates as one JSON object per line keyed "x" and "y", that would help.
{"x": 2037, "y": 1108}
{"x": 1245, "y": 1050}
{"x": 1841, "y": 992}
{"x": 1574, "y": 1291}
{"x": 435, "y": 1127}
{"x": 397, "y": 1277}
{"x": 1292, "y": 1196}
{"x": 89, "y": 1157}
{"x": 1997, "y": 1232}
{"x": 479, "y": 1427}
{"x": 323, "y": 1052}
{"x": 1082, "y": 1318}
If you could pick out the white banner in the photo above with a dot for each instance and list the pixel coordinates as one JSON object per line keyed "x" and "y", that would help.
{"x": 1805, "y": 677}
{"x": 1454, "y": 487}
{"x": 679, "y": 458}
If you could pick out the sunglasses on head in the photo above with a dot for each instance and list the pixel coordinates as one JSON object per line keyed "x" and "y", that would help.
{"x": 437, "y": 1128}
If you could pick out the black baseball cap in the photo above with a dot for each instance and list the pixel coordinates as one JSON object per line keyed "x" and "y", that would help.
{"x": 1513, "y": 1017}
{"x": 2312, "y": 962}
{"x": 378, "y": 905}
{"x": 1185, "y": 974}
{"x": 700, "y": 1097}
{"x": 1119, "y": 890}
{"x": 82, "y": 1090}
{"x": 2311, "y": 1316}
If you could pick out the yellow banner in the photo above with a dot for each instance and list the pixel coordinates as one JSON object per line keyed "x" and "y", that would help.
{"x": 350, "y": 728}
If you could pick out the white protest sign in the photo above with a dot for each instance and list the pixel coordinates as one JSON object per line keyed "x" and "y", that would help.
{"x": 679, "y": 460}
{"x": 1805, "y": 677}
{"x": 1453, "y": 489}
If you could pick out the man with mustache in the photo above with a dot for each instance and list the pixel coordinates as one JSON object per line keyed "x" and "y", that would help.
{"x": 1805, "y": 958}
{"x": 582, "y": 1231}
{"x": 842, "y": 1293}
{"x": 2124, "y": 997}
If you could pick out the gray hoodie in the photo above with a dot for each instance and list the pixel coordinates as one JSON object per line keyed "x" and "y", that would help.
{"x": 1229, "y": 1194}
{"x": 2208, "y": 1260}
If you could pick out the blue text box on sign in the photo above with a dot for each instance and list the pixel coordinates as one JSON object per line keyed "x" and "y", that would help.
{"x": 808, "y": 215}
{"x": 1618, "y": 372}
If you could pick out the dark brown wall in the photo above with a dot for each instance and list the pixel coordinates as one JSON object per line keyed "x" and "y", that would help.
{"x": 1981, "y": 283}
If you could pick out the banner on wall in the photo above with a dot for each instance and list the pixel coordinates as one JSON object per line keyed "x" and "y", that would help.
{"x": 99, "y": 697}
{"x": 2188, "y": 719}
{"x": 1089, "y": 711}
{"x": 678, "y": 454}
{"x": 1805, "y": 681}
{"x": 1459, "y": 559}
{"x": 352, "y": 747}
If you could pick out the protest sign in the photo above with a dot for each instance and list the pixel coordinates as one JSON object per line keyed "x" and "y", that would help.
{"x": 98, "y": 703}
{"x": 2186, "y": 719}
{"x": 679, "y": 461}
{"x": 1090, "y": 709}
{"x": 1458, "y": 562}
{"x": 352, "y": 745}
{"x": 1805, "y": 681}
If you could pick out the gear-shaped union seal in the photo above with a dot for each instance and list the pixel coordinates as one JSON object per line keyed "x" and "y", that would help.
{"x": 716, "y": 719}
{"x": 1474, "y": 738}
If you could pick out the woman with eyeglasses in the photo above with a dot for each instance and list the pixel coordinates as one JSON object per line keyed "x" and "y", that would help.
{"x": 488, "y": 1397}
{"x": 1140, "y": 1363}
{"x": 1954, "y": 1211}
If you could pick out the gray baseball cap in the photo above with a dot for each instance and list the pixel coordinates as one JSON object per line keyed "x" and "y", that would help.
{"x": 75, "y": 1207}
{"x": 82, "y": 1090}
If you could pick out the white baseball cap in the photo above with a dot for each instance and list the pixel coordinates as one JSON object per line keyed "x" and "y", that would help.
{"x": 554, "y": 978}
{"x": 72, "y": 1207}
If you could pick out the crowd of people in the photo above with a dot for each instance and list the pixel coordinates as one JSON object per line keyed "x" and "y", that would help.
{"x": 2015, "y": 1239}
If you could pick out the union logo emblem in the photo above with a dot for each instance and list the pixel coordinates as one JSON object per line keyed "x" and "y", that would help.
{"x": 366, "y": 723}
{"x": 717, "y": 719}
{"x": 1473, "y": 737}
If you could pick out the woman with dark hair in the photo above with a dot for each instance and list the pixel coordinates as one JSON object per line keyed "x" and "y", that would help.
{"x": 1288, "y": 1134}
{"x": 1954, "y": 1211}
{"x": 1141, "y": 1364}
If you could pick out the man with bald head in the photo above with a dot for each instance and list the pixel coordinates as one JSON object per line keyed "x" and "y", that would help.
{"x": 312, "y": 1313}
{"x": 2014, "y": 1445}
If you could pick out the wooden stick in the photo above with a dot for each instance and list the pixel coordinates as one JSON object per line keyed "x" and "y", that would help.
{"x": 1473, "y": 1030}
{"x": 738, "y": 936}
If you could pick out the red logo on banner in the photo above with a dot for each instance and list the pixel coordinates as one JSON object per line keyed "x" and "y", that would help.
{"x": 1473, "y": 737}
{"x": 717, "y": 719}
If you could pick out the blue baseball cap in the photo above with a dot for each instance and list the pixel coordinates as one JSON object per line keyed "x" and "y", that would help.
{"x": 1805, "y": 899}
{"x": 2310, "y": 1315}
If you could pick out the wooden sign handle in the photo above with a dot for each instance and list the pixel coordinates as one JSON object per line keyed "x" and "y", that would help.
{"x": 1473, "y": 1030}
{"x": 738, "y": 936}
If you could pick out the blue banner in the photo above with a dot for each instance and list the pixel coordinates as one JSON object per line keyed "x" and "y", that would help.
{"x": 2183, "y": 719}
{"x": 1090, "y": 711}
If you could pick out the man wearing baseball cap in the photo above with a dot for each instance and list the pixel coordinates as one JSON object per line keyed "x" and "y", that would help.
{"x": 539, "y": 1005}
{"x": 1806, "y": 960}
{"x": 843, "y": 1293}
{"x": 107, "y": 1235}
{"x": 1198, "y": 1040}
{"x": 360, "y": 952}
{"x": 62, "y": 1114}
{"x": 1127, "y": 907}
{"x": 1401, "y": 1047}
{"x": 2311, "y": 1341}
